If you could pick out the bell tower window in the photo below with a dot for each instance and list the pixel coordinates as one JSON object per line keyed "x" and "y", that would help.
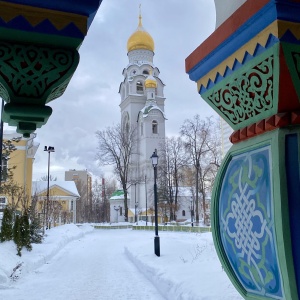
{"x": 154, "y": 127}
{"x": 139, "y": 87}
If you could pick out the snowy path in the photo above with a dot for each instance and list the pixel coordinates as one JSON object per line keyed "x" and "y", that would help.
{"x": 92, "y": 268}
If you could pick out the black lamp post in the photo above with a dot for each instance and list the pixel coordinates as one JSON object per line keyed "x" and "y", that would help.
{"x": 49, "y": 149}
{"x": 192, "y": 211}
{"x": 154, "y": 159}
{"x": 135, "y": 203}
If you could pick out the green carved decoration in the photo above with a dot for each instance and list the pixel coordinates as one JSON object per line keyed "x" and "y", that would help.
{"x": 28, "y": 71}
{"x": 30, "y": 77}
{"x": 250, "y": 94}
{"x": 292, "y": 57}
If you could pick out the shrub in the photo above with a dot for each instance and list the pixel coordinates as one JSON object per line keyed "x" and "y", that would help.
{"x": 25, "y": 232}
{"x": 6, "y": 233}
{"x": 17, "y": 235}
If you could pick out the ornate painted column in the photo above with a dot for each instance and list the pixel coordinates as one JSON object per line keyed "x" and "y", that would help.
{"x": 39, "y": 42}
{"x": 248, "y": 71}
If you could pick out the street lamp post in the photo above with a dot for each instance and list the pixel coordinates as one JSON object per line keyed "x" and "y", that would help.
{"x": 154, "y": 159}
{"x": 146, "y": 200}
{"x": 135, "y": 204}
{"x": 192, "y": 211}
{"x": 49, "y": 149}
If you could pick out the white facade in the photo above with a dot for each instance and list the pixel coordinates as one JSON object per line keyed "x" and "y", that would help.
{"x": 142, "y": 107}
{"x": 226, "y": 132}
{"x": 225, "y": 8}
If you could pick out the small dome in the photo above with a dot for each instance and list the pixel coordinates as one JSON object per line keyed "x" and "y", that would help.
{"x": 150, "y": 82}
{"x": 140, "y": 39}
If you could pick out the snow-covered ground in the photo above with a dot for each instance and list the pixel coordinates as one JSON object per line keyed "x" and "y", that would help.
{"x": 77, "y": 263}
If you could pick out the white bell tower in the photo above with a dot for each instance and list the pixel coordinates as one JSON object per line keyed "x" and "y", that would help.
{"x": 142, "y": 106}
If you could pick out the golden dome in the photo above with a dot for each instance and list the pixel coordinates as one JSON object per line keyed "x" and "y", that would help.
{"x": 150, "y": 82}
{"x": 140, "y": 39}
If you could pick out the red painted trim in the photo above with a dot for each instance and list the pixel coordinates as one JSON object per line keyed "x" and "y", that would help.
{"x": 279, "y": 120}
{"x": 225, "y": 30}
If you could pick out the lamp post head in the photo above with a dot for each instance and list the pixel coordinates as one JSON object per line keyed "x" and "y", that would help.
{"x": 49, "y": 149}
{"x": 154, "y": 159}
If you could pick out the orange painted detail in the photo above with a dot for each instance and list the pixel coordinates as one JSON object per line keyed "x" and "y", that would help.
{"x": 225, "y": 30}
{"x": 279, "y": 120}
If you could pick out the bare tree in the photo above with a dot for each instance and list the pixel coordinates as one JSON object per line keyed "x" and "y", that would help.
{"x": 116, "y": 145}
{"x": 201, "y": 145}
{"x": 82, "y": 204}
{"x": 51, "y": 178}
{"x": 174, "y": 160}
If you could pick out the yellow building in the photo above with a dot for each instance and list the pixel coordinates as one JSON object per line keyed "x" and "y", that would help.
{"x": 21, "y": 160}
{"x": 60, "y": 201}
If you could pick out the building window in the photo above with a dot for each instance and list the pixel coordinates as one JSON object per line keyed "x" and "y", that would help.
{"x": 139, "y": 87}
{"x": 146, "y": 72}
{"x": 154, "y": 127}
{"x": 3, "y": 202}
{"x": 4, "y": 172}
{"x": 120, "y": 210}
{"x": 183, "y": 213}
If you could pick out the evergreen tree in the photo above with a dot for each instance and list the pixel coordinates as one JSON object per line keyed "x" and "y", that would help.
{"x": 17, "y": 235}
{"x": 6, "y": 233}
{"x": 36, "y": 234}
{"x": 25, "y": 232}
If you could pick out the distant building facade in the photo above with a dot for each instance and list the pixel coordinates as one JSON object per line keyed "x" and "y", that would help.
{"x": 61, "y": 205}
{"x": 83, "y": 181}
{"x": 22, "y": 161}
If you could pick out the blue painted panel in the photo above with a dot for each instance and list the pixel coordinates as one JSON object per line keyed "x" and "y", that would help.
{"x": 293, "y": 184}
{"x": 247, "y": 223}
{"x": 82, "y": 7}
{"x": 45, "y": 27}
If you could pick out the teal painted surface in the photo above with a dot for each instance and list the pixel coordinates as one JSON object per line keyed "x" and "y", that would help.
{"x": 249, "y": 94}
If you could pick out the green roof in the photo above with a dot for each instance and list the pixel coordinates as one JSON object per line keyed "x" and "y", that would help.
{"x": 117, "y": 193}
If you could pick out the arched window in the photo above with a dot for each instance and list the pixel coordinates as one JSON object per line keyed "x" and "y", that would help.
{"x": 154, "y": 127}
{"x": 139, "y": 87}
{"x": 146, "y": 72}
{"x": 183, "y": 213}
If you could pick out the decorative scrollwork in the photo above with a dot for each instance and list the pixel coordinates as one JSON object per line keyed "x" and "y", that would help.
{"x": 248, "y": 95}
{"x": 32, "y": 72}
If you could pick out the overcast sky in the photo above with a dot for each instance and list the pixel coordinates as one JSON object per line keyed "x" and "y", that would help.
{"x": 91, "y": 101}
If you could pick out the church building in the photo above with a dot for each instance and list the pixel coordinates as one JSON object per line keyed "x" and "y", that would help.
{"x": 142, "y": 107}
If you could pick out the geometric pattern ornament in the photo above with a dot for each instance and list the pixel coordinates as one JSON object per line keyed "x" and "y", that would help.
{"x": 246, "y": 223}
{"x": 247, "y": 97}
{"x": 30, "y": 73}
